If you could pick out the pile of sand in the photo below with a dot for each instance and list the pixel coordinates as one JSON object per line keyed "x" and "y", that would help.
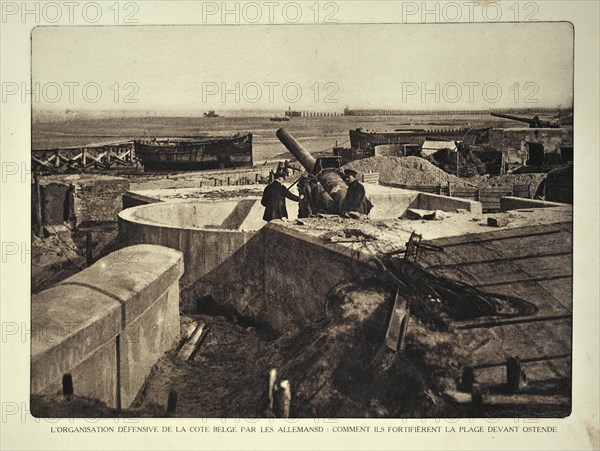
{"x": 419, "y": 171}
{"x": 405, "y": 171}
{"x": 508, "y": 180}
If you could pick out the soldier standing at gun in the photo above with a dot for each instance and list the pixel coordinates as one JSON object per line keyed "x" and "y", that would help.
{"x": 273, "y": 198}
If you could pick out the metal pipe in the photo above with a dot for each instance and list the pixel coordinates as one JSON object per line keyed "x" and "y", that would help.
{"x": 296, "y": 149}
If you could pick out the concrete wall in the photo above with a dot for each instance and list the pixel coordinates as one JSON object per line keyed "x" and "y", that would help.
{"x": 180, "y": 225}
{"x": 224, "y": 256}
{"x": 81, "y": 199}
{"x": 276, "y": 276}
{"x": 282, "y": 277}
{"x": 513, "y": 142}
{"x": 514, "y": 203}
{"x": 97, "y": 199}
{"x": 107, "y": 325}
{"x": 300, "y": 272}
{"x": 427, "y": 201}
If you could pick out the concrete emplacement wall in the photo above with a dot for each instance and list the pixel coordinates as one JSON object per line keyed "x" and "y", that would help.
{"x": 107, "y": 325}
{"x": 215, "y": 237}
{"x": 207, "y": 233}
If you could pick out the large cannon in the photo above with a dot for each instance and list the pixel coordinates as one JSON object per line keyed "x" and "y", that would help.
{"x": 324, "y": 189}
{"x": 536, "y": 122}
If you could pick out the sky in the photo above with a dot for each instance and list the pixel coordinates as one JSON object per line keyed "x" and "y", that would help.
{"x": 305, "y": 67}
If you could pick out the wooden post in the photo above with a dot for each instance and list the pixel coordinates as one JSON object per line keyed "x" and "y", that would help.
{"x": 228, "y": 181}
{"x": 513, "y": 374}
{"x": 468, "y": 378}
{"x": 449, "y": 190}
{"x": 67, "y": 386}
{"x": 39, "y": 228}
{"x": 457, "y": 161}
{"x": 271, "y": 388}
{"x": 172, "y": 402}
{"x": 283, "y": 400}
{"x": 476, "y": 401}
{"x": 89, "y": 254}
{"x": 478, "y": 195}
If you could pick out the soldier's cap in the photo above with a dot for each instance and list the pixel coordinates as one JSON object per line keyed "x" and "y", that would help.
{"x": 279, "y": 175}
{"x": 350, "y": 172}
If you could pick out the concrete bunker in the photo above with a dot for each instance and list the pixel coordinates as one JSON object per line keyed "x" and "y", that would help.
{"x": 327, "y": 303}
{"x": 214, "y": 235}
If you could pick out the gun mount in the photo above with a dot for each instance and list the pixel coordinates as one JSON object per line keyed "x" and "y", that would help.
{"x": 324, "y": 189}
{"x": 536, "y": 122}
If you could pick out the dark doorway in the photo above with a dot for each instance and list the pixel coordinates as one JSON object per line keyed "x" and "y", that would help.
{"x": 566, "y": 155}
{"x": 536, "y": 154}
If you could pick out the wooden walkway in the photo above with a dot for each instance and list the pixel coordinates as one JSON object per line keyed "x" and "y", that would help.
{"x": 534, "y": 263}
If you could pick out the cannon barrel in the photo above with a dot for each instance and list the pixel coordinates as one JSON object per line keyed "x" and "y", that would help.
{"x": 330, "y": 179}
{"x": 514, "y": 118}
{"x": 533, "y": 123}
{"x": 296, "y": 149}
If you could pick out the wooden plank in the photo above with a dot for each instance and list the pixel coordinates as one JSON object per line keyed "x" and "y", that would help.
{"x": 545, "y": 301}
{"x": 502, "y": 234}
{"x": 473, "y": 258}
{"x": 561, "y": 290}
{"x": 510, "y": 400}
{"x": 526, "y": 340}
{"x": 400, "y": 317}
{"x": 539, "y": 267}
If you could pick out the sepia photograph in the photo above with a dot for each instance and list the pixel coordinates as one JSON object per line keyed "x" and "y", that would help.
{"x": 308, "y": 221}
{"x": 299, "y": 225}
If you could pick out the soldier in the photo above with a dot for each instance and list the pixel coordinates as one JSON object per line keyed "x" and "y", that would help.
{"x": 356, "y": 199}
{"x": 273, "y": 198}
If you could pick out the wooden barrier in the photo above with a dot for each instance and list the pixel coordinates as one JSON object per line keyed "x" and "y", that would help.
{"x": 109, "y": 156}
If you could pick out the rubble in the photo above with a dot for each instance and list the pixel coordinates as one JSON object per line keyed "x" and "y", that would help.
{"x": 497, "y": 222}
{"x": 430, "y": 215}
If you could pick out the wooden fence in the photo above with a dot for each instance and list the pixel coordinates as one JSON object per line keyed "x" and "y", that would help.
{"x": 110, "y": 156}
{"x": 489, "y": 197}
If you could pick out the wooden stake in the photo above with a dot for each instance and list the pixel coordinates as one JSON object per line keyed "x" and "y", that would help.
{"x": 67, "y": 386}
{"x": 89, "y": 255}
{"x": 283, "y": 400}
{"x": 468, "y": 379}
{"x": 172, "y": 402}
{"x": 271, "y": 382}
{"x": 513, "y": 374}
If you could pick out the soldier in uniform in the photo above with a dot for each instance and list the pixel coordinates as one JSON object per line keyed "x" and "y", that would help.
{"x": 356, "y": 199}
{"x": 273, "y": 198}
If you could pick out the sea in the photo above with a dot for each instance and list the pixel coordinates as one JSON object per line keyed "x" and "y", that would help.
{"x": 316, "y": 134}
